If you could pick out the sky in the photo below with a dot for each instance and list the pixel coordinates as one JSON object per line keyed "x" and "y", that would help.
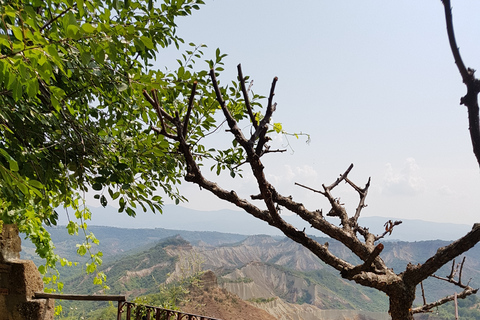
{"x": 372, "y": 82}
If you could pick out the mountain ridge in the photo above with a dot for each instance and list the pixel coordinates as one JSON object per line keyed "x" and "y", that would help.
{"x": 238, "y": 222}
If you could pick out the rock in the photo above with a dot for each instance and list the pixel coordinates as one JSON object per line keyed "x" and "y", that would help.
{"x": 10, "y": 243}
{"x": 19, "y": 280}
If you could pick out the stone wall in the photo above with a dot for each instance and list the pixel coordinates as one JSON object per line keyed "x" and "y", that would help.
{"x": 19, "y": 280}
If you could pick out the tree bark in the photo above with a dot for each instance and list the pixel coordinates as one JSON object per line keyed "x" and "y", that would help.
{"x": 401, "y": 302}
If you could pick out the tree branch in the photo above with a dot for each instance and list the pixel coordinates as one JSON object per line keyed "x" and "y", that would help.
{"x": 57, "y": 17}
{"x": 245, "y": 96}
{"x": 427, "y": 307}
{"x": 470, "y": 100}
{"x": 466, "y": 76}
{"x": 262, "y": 129}
{"x": 363, "y": 195}
{"x": 232, "y": 124}
{"x": 189, "y": 110}
{"x": 389, "y": 225}
{"x": 418, "y": 273}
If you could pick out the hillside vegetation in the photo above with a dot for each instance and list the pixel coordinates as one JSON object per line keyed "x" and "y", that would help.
{"x": 256, "y": 272}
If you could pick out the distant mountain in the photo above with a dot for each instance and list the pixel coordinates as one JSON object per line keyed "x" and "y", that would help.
{"x": 272, "y": 272}
{"x": 238, "y": 222}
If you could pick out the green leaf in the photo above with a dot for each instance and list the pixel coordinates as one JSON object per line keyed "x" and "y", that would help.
{"x": 277, "y": 127}
{"x": 23, "y": 188}
{"x": 103, "y": 201}
{"x": 147, "y": 42}
{"x": 73, "y": 32}
{"x": 35, "y": 184}
{"x": 97, "y": 186}
{"x": 88, "y": 28}
{"x": 91, "y": 267}
{"x": 42, "y": 269}
{"x": 72, "y": 228}
{"x": 122, "y": 87}
{"x": 17, "y": 32}
{"x": 130, "y": 212}
{"x": 82, "y": 249}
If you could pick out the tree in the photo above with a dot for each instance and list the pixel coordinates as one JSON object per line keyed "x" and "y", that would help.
{"x": 71, "y": 112}
{"x": 248, "y": 147}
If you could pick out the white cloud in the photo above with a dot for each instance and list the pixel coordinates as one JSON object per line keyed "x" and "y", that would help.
{"x": 288, "y": 174}
{"x": 407, "y": 181}
{"x": 446, "y": 191}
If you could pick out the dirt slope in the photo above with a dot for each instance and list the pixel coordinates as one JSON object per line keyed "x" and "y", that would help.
{"x": 211, "y": 301}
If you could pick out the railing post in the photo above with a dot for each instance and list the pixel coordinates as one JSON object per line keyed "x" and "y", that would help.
{"x": 149, "y": 310}
{"x": 129, "y": 311}
{"x": 119, "y": 310}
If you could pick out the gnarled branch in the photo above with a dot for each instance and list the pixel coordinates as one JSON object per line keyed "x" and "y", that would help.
{"x": 470, "y": 100}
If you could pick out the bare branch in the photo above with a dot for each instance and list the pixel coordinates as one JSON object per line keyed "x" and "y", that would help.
{"x": 470, "y": 100}
{"x": 453, "y": 43}
{"x": 389, "y": 225}
{"x": 461, "y": 271}
{"x": 308, "y": 188}
{"x": 367, "y": 265}
{"x": 160, "y": 113}
{"x": 363, "y": 195}
{"x": 46, "y": 25}
{"x": 262, "y": 129}
{"x": 230, "y": 121}
{"x": 340, "y": 179}
{"x": 416, "y": 274}
{"x": 423, "y": 294}
{"x": 154, "y": 102}
{"x": 245, "y": 97}
{"x": 338, "y": 210}
{"x": 451, "y": 276}
{"x": 427, "y": 307}
{"x": 275, "y": 151}
{"x": 189, "y": 110}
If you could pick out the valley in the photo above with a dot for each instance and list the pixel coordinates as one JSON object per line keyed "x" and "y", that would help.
{"x": 268, "y": 275}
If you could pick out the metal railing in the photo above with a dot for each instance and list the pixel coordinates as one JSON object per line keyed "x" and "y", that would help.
{"x": 131, "y": 310}
{"x": 144, "y": 312}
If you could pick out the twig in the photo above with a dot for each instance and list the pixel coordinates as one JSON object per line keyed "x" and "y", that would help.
{"x": 245, "y": 96}
{"x": 389, "y": 225}
{"x": 363, "y": 195}
{"x": 308, "y": 188}
{"x": 263, "y": 127}
{"x": 58, "y": 16}
{"x": 451, "y": 277}
{"x": 160, "y": 113}
{"x": 340, "y": 179}
{"x": 423, "y": 294}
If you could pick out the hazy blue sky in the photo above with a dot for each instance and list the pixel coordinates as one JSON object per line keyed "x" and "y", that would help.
{"x": 374, "y": 84}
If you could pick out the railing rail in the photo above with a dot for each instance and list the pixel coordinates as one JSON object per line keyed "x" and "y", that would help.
{"x": 144, "y": 312}
{"x": 84, "y": 297}
{"x": 131, "y": 310}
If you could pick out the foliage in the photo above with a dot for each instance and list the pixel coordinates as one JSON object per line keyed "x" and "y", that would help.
{"x": 236, "y": 280}
{"x": 262, "y": 300}
{"x": 72, "y": 115}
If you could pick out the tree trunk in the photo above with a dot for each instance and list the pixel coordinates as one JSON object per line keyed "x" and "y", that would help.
{"x": 401, "y": 302}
